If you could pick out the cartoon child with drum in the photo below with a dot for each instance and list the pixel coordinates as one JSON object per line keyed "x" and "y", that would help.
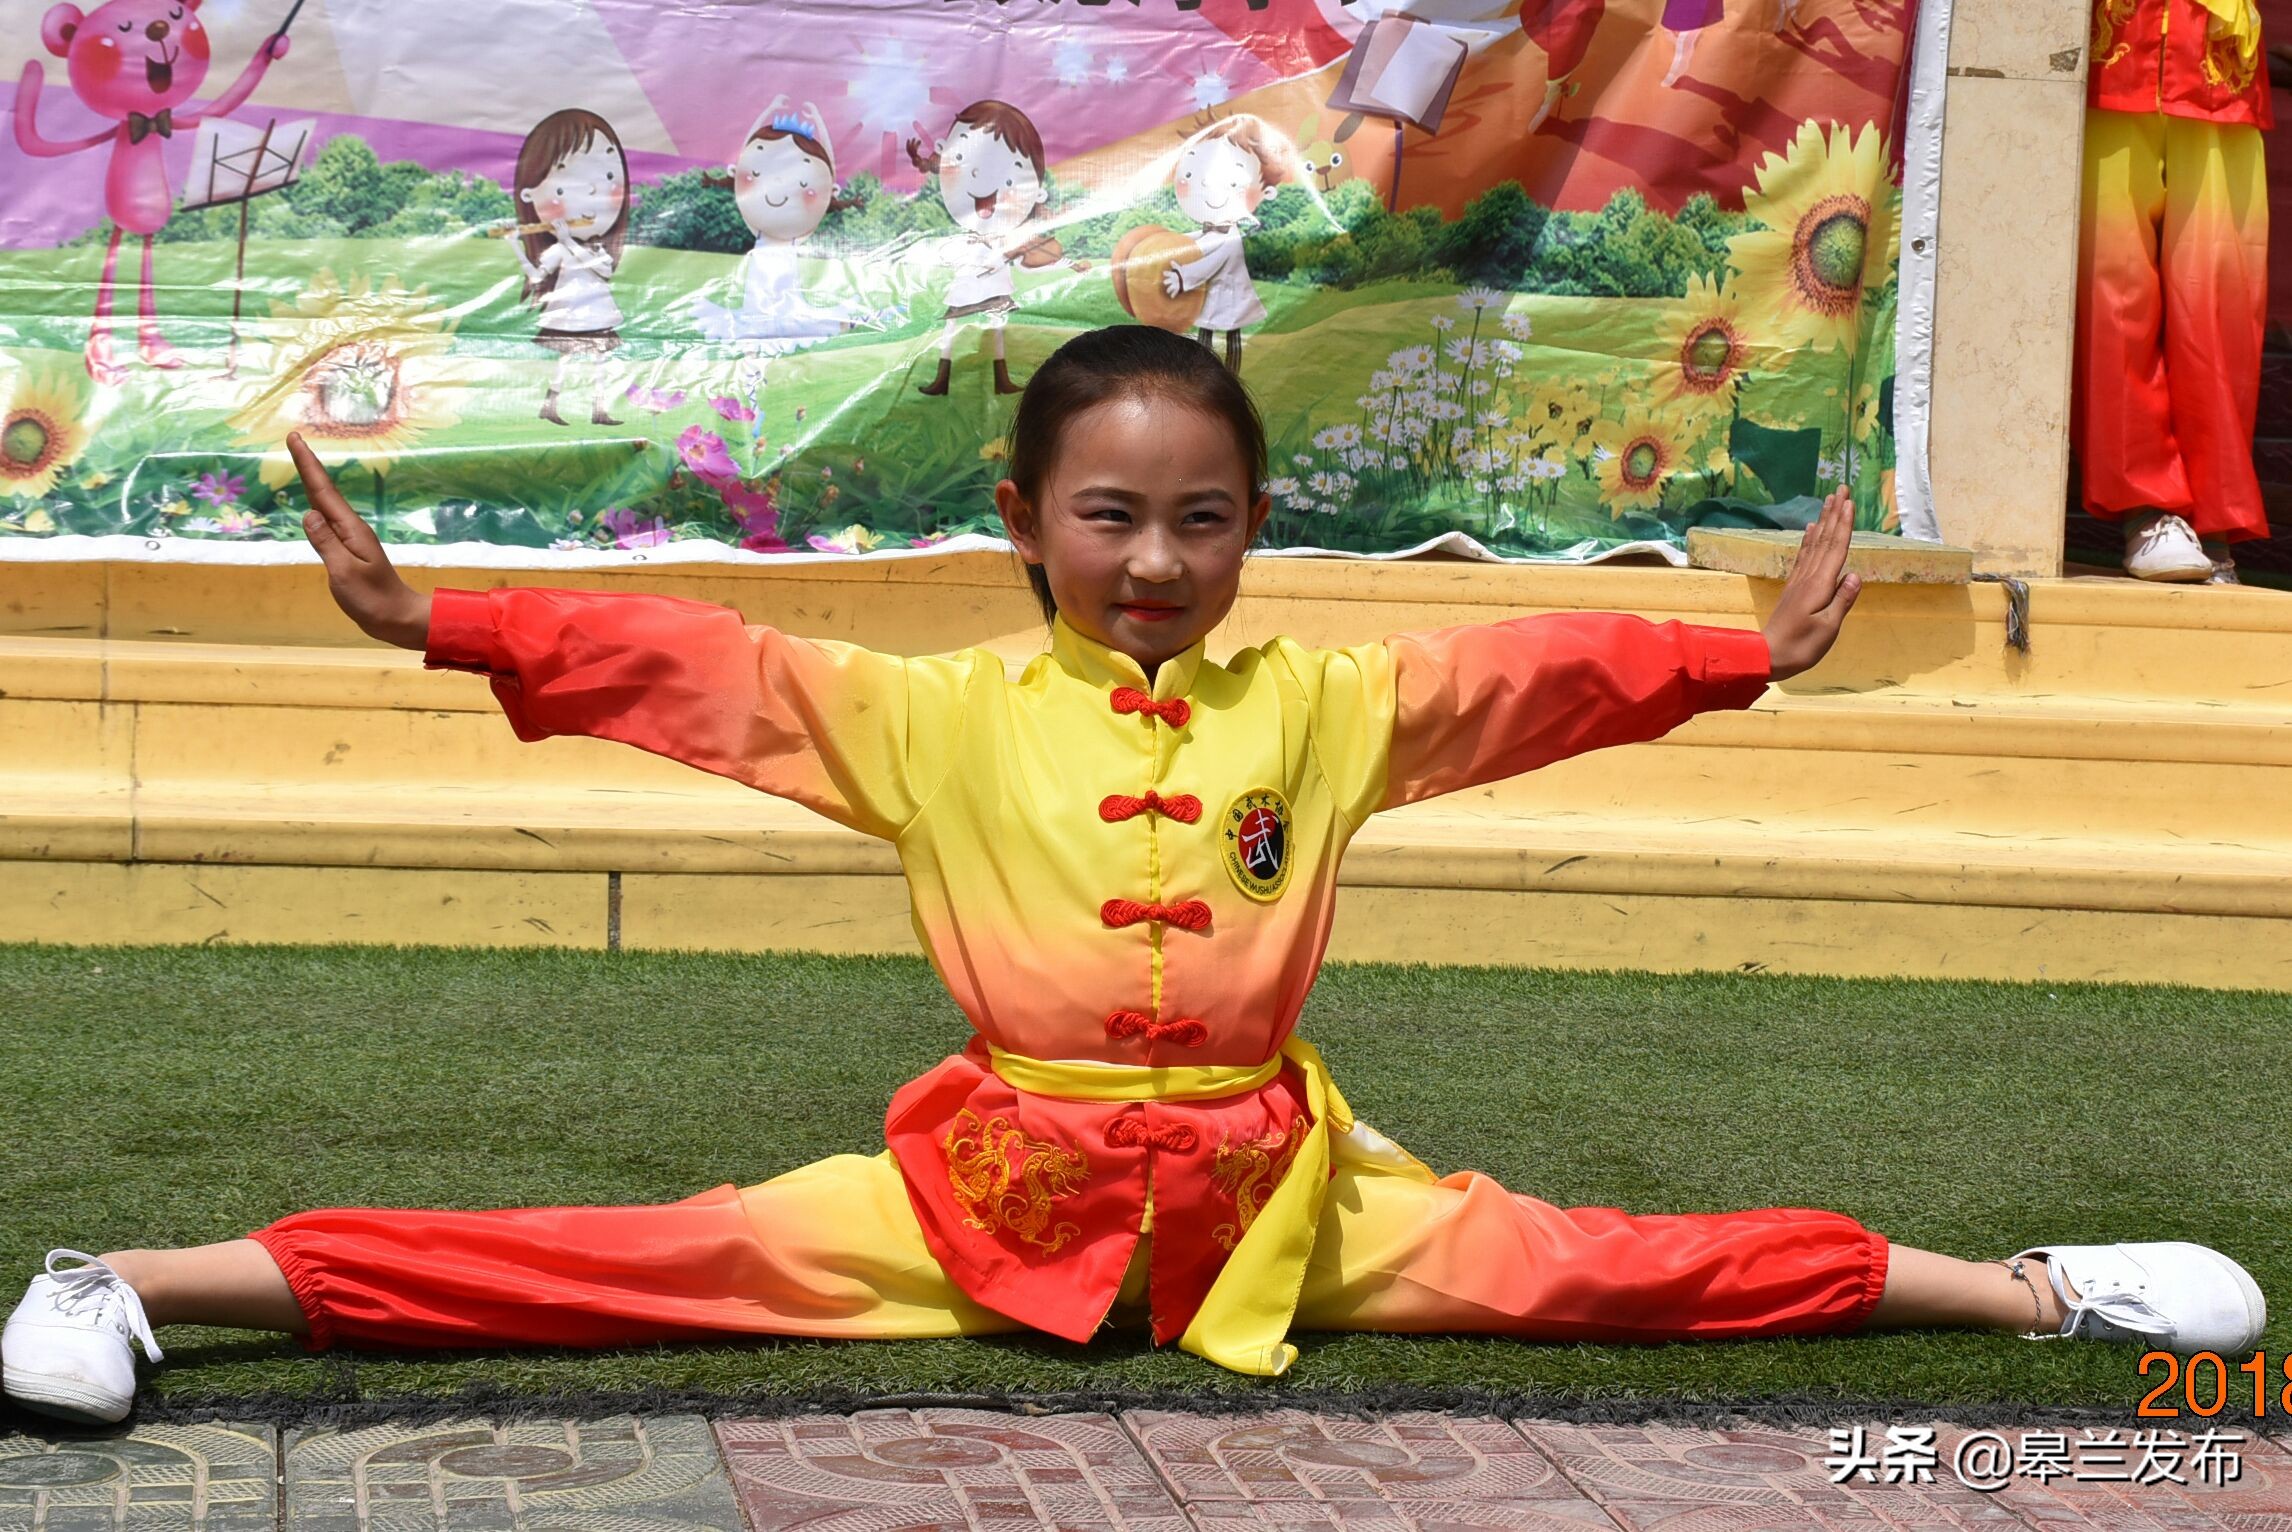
{"x": 1221, "y": 176}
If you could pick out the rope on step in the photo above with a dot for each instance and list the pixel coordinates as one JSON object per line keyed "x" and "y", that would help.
{"x": 2017, "y": 608}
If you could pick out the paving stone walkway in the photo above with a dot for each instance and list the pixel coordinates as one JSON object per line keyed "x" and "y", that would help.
{"x": 948, "y": 1470}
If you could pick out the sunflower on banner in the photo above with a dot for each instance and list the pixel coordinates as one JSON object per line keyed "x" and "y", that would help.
{"x": 363, "y": 372}
{"x": 41, "y": 436}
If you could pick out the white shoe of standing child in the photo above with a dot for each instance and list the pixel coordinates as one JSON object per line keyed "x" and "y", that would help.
{"x": 68, "y": 1349}
{"x": 2168, "y": 1294}
{"x": 2162, "y": 546}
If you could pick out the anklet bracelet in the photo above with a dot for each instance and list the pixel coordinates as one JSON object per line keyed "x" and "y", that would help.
{"x": 2037, "y": 1305}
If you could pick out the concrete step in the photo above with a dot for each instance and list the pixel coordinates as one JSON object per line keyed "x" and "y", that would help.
{"x": 2112, "y": 804}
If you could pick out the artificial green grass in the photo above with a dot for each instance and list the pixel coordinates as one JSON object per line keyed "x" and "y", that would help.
{"x": 172, "y": 1096}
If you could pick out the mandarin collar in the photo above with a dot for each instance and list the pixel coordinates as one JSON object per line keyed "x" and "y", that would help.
{"x": 1088, "y": 660}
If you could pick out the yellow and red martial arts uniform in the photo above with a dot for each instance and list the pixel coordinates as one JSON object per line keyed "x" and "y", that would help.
{"x": 1127, "y": 886}
{"x": 2173, "y": 264}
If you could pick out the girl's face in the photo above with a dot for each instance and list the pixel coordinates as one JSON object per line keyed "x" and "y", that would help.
{"x": 583, "y": 194}
{"x": 1217, "y": 181}
{"x": 1144, "y": 518}
{"x": 987, "y": 185}
{"x": 782, "y": 191}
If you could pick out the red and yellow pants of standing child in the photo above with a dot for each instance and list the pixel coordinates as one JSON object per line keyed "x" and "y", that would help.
{"x": 834, "y": 1250}
{"x": 2172, "y": 301}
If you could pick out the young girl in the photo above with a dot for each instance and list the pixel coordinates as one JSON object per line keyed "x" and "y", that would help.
{"x": 1123, "y": 864}
{"x": 574, "y": 178}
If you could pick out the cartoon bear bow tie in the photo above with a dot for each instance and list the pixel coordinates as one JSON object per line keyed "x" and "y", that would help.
{"x": 140, "y": 127}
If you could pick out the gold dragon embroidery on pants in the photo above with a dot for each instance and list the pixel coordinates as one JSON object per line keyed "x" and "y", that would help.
{"x": 1006, "y": 1180}
{"x": 1248, "y": 1172}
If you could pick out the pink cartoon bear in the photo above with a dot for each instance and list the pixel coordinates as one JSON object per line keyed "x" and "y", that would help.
{"x": 134, "y": 62}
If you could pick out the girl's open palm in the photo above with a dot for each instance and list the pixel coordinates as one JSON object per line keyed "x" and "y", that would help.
{"x": 358, "y": 572}
{"x": 1818, "y": 594}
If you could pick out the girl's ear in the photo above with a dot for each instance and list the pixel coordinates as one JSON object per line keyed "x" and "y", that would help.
{"x": 1257, "y": 514}
{"x": 1018, "y": 521}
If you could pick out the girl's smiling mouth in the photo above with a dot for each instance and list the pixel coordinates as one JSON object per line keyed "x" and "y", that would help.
{"x": 775, "y": 201}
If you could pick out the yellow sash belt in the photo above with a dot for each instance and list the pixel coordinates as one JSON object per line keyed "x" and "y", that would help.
{"x": 1242, "y": 1323}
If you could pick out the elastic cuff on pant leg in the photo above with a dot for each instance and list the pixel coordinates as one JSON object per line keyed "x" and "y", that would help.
{"x": 303, "y": 1282}
{"x": 1874, "y": 1283}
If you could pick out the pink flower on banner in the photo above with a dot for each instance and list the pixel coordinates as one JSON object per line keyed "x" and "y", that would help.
{"x": 703, "y": 452}
{"x": 852, "y": 539}
{"x": 659, "y": 401}
{"x": 629, "y": 531}
{"x": 758, "y": 512}
{"x": 219, "y": 488}
{"x": 929, "y": 540}
{"x": 732, "y": 409}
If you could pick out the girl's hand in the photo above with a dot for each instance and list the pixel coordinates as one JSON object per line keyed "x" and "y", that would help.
{"x": 1818, "y": 594}
{"x": 358, "y": 572}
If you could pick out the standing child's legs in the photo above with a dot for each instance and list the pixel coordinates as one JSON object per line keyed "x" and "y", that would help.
{"x": 2215, "y": 256}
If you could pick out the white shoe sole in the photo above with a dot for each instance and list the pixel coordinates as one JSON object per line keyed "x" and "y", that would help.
{"x": 66, "y": 1399}
{"x": 2179, "y": 574}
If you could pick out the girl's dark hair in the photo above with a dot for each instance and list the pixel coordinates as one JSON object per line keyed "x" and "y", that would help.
{"x": 554, "y": 138}
{"x": 1129, "y": 361}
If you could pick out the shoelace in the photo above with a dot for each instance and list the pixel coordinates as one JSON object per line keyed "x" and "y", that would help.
{"x": 92, "y": 1285}
{"x": 2109, "y": 1301}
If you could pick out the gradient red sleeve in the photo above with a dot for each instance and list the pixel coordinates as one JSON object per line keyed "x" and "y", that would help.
{"x": 1486, "y": 701}
{"x": 853, "y": 734}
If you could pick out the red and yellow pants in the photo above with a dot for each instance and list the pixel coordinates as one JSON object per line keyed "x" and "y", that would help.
{"x": 834, "y": 1250}
{"x": 2172, "y": 301}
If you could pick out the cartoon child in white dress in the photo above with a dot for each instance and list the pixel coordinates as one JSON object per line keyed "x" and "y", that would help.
{"x": 990, "y": 173}
{"x": 1223, "y": 173}
{"x": 573, "y": 176}
{"x": 784, "y": 182}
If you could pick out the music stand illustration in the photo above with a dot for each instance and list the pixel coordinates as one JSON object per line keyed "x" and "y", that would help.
{"x": 1404, "y": 69}
{"x": 236, "y": 162}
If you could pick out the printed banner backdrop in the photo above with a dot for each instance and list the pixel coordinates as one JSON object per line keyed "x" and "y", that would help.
{"x": 573, "y": 281}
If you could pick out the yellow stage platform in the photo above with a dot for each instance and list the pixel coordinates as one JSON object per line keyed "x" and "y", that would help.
{"x": 193, "y": 754}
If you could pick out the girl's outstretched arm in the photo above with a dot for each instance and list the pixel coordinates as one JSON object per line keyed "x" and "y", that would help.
{"x": 861, "y": 737}
{"x": 1435, "y": 712}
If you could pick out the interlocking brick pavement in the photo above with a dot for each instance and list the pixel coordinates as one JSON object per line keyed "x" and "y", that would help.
{"x": 621, "y": 1474}
{"x": 958, "y": 1470}
{"x": 161, "y": 1478}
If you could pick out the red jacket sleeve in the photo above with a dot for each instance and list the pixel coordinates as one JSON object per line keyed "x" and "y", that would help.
{"x": 858, "y": 736}
{"x": 1486, "y": 701}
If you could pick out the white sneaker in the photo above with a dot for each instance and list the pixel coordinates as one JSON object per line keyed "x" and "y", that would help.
{"x": 2162, "y": 546}
{"x": 2168, "y": 1294}
{"x": 2223, "y": 563}
{"x": 66, "y": 1350}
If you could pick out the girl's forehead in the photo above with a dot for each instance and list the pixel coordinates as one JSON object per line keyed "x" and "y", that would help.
{"x": 598, "y": 147}
{"x": 980, "y": 140}
{"x": 783, "y": 149}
